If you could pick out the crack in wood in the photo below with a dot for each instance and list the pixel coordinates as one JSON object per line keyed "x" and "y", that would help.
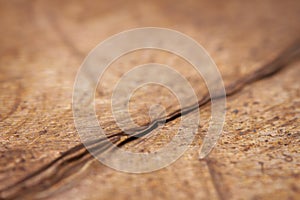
{"x": 71, "y": 161}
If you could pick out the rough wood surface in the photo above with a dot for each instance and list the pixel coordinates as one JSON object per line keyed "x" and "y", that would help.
{"x": 42, "y": 46}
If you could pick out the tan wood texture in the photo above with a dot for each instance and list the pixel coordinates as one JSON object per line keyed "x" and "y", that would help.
{"x": 43, "y": 44}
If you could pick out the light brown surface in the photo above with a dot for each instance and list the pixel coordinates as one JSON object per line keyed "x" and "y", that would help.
{"x": 43, "y": 44}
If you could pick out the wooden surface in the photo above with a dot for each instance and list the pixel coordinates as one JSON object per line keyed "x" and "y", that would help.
{"x": 43, "y": 44}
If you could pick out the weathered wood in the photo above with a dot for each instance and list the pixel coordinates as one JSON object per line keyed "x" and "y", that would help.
{"x": 42, "y": 46}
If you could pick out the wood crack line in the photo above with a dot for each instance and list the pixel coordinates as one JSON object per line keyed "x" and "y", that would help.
{"x": 71, "y": 161}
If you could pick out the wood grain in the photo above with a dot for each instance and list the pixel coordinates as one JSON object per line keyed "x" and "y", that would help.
{"x": 42, "y": 46}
